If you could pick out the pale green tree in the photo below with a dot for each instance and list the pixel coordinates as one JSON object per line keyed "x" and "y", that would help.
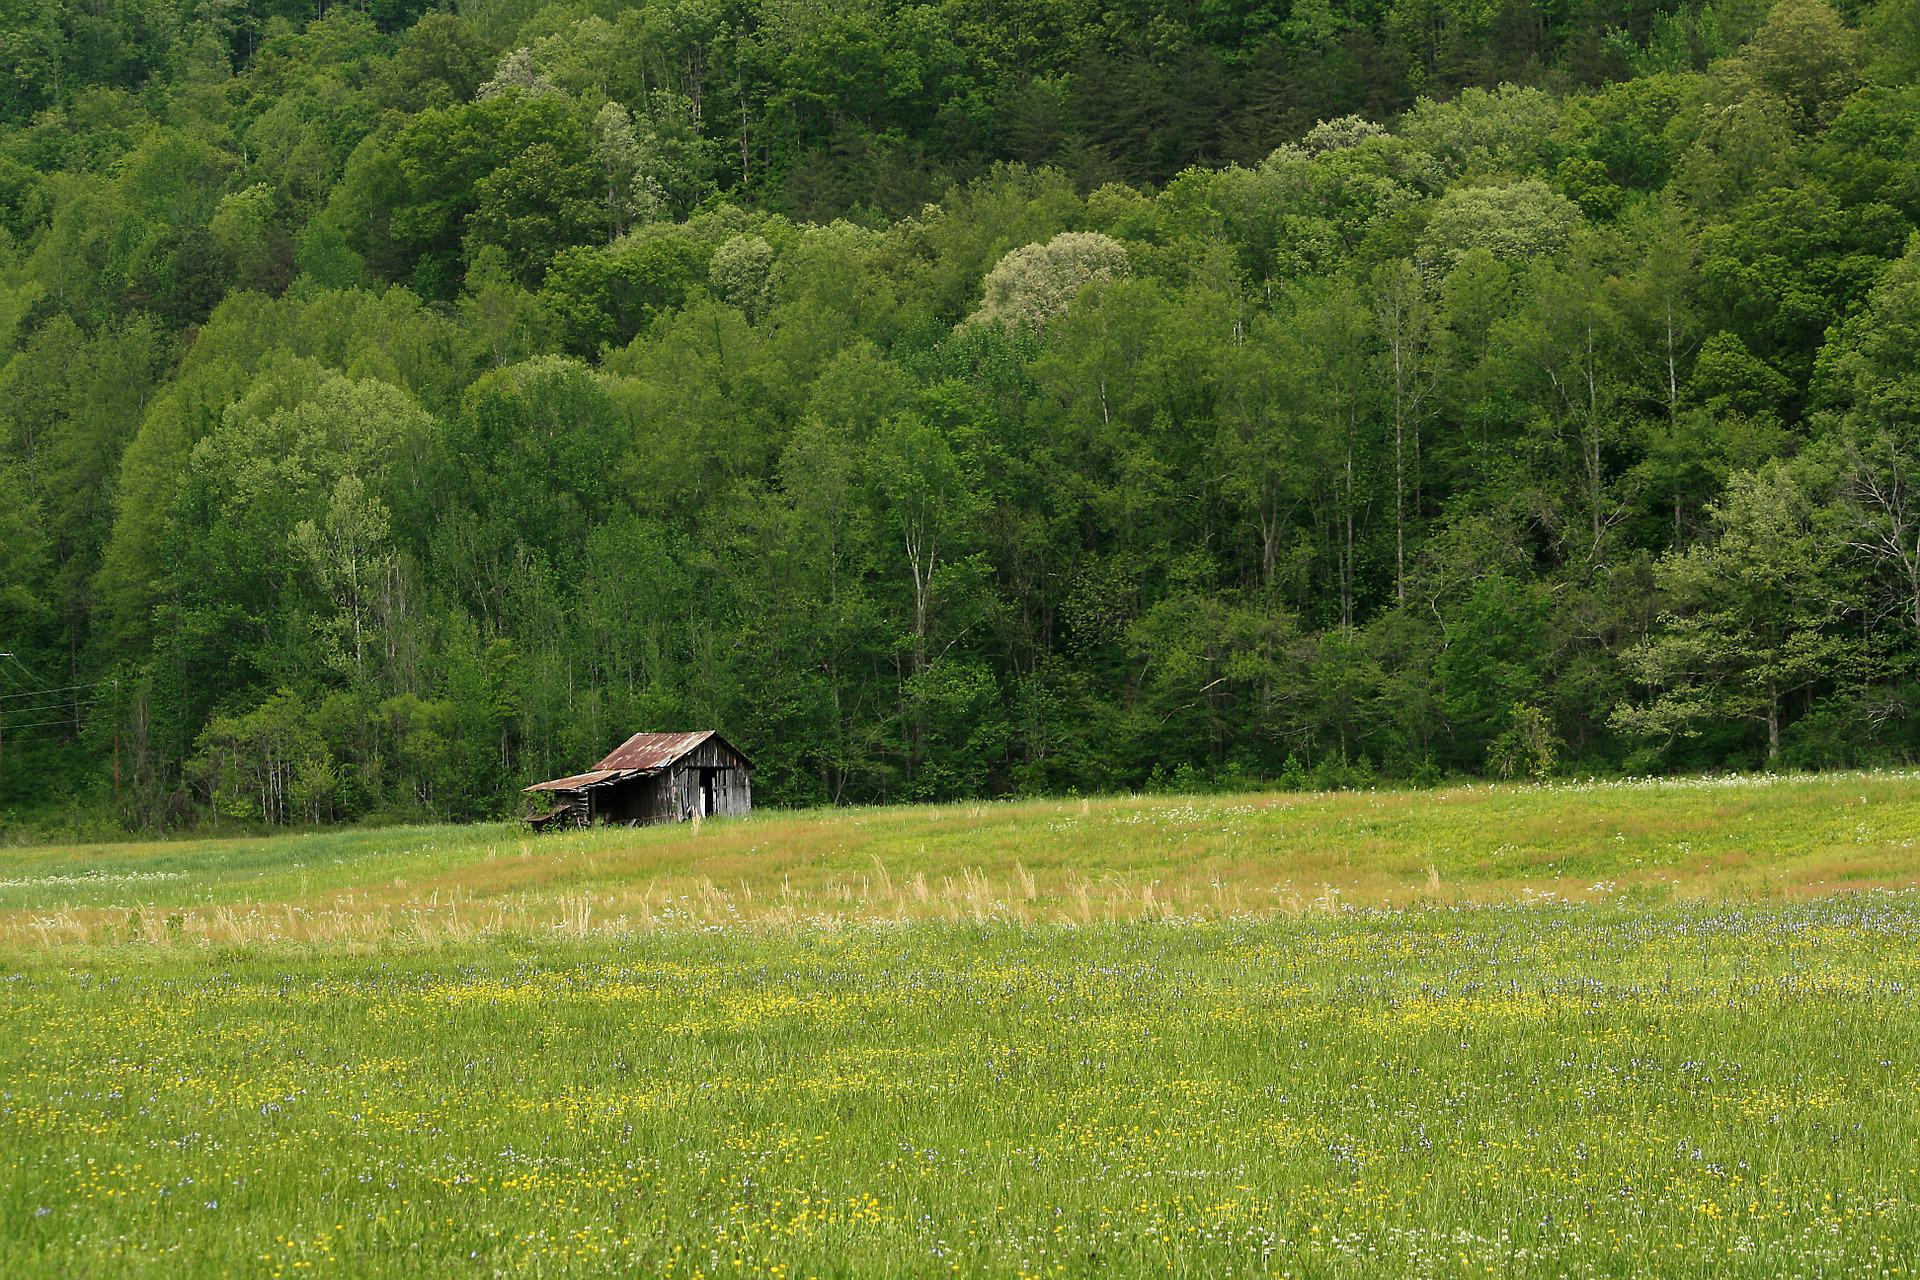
{"x": 741, "y": 271}
{"x": 1035, "y": 283}
{"x": 1404, "y": 316}
{"x": 1507, "y": 130}
{"x": 1807, "y": 56}
{"x": 1516, "y": 222}
{"x": 1756, "y": 615}
{"x": 348, "y": 552}
{"x": 518, "y": 73}
{"x": 620, "y": 151}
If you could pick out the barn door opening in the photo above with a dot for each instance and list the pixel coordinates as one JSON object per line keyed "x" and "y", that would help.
{"x": 707, "y": 777}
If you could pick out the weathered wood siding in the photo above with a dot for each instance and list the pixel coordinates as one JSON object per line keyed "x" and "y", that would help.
{"x": 733, "y": 793}
{"x": 640, "y": 800}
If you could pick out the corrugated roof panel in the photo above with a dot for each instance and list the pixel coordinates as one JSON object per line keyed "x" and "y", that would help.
{"x": 643, "y": 753}
{"x": 579, "y": 781}
{"x": 652, "y": 750}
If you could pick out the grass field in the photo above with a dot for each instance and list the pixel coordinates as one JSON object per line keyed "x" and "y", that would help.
{"x": 1615, "y": 1029}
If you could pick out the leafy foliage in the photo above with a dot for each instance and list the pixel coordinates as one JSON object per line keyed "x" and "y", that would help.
{"x": 397, "y": 407}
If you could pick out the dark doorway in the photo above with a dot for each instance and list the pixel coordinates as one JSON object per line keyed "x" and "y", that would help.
{"x": 706, "y": 791}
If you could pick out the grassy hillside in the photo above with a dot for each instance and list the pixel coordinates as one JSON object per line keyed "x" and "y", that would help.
{"x": 1076, "y": 861}
{"x": 1690, "y": 1091}
{"x": 1129, "y": 1037}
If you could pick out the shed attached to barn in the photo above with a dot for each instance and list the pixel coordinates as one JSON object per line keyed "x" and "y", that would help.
{"x": 654, "y": 777}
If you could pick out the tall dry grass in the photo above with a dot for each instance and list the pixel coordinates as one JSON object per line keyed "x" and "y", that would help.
{"x": 1079, "y": 862}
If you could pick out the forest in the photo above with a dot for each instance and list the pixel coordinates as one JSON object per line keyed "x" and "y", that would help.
{"x": 948, "y": 398}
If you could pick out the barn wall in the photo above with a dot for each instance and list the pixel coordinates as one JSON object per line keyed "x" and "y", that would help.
{"x": 732, "y": 795}
{"x": 636, "y": 800}
{"x": 732, "y": 791}
{"x": 660, "y": 799}
{"x": 712, "y": 754}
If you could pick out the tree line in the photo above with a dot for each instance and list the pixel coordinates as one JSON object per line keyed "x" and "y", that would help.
{"x": 948, "y": 400}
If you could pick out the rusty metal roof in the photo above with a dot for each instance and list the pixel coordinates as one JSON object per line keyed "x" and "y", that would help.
{"x": 580, "y": 781}
{"x": 647, "y": 751}
{"x": 641, "y": 754}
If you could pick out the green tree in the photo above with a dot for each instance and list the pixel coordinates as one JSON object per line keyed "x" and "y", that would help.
{"x": 604, "y": 296}
{"x": 1806, "y": 55}
{"x": 348, "y": 553}
{"x": 1868, "y": 377}
{"x": 532, "y": 206}
{"x": 511, "y": 169}
{"x": 927, "y": 497}
{"x": 1756, "y": 615}
{"x": 526, "y": 467}
{"x": 1034, "y": 283}
{"x": 1494, "y": 659}
{"x": 23, "y": 557}
{"x": 252, "y": 240}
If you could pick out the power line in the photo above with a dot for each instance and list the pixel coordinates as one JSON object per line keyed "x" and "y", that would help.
{"x": 58, "y": 709}
{"x": 41, "y": 693}
{"x": 36, "y": 724}
{"x": 36, "y": 688}
{"x": 64, "y": 712}
{"x": 50, "y": 696}
{"x": 77, "y": 699}
{"x": 35, "y": 700}
{"x": 23, "y": 666}
{"x": 32, "y": 681}
{"x": 53, "y": 698}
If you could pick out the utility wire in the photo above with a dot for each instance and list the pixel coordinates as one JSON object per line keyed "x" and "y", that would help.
{"x": 36, "y": 690}
{"x": 65, "y": 712}
{"x": 69, "y": 709}
{"x": 52, "y": 704}
{"x": 36, "y": 724}
{"x": 31, "y": 683}
{"x": 58, "y": 709}
{"x": 23, "y": 666}
{"x": 41, "y": 693}
{"x": 54, "y": 701}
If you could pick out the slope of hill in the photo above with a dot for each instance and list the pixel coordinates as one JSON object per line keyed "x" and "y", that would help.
{"x": 970, "y": 1041}
{"x": 1072, "y": 861}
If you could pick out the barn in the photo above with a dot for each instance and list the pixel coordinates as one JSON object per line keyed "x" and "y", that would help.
{"x": 653, "y": 777}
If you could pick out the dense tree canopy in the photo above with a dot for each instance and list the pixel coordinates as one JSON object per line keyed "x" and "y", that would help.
{"x": 946, "y": 400}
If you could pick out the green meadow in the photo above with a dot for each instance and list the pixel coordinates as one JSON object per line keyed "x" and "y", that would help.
{"x": 1076, "y": 861}
{"x": 1606, "y": 1029}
